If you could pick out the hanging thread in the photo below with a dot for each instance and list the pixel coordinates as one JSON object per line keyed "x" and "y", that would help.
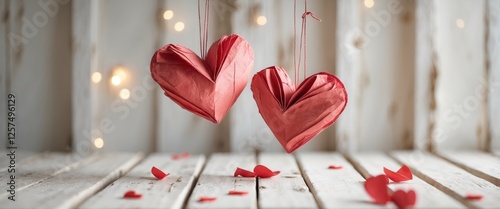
{"x": 203, "y": 30}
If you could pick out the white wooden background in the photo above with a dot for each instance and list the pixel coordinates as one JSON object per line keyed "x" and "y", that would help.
{"x": 415, "y": 79}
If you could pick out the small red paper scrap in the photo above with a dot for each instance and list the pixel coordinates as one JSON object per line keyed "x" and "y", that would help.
{"x": 234, "y": 192}
{"x": 207, "y": 199}
{"x": 183, "y": 155}
{"x": 264, "y": 172}
{"x": 132, "y": 195}
{"x": 403, "y": 174}
{"x": 376, "y": 187}
{"x": 243, "y": 173}
{"x": 158, "y": 173}
{"x": 404, "y": 199}
{"x": 335, "y": 167}
{"x": 474, "y": 196}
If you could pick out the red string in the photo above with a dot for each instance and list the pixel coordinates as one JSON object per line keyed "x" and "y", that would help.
{"x": 303, "y": 41}
{"x": 295, "y": 68}
{"x": 203, "y": 32}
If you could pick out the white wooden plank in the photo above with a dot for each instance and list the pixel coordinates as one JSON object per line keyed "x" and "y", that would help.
{"x": 217, "y": 180}
{"x": 170, "y": 192}
{"x": 20, "y": 156}
{"x": 85, "y": 18}
{"x": 449, "y": 178}
{"x": 70, "y": 188}
{"x": 497, "y": 152}
{"x": 38, "y": 168}
{"x": 461, "y": 75}
{"x": 428, "y": 196}
{"x": 493, "y": 52}
{"x": 342, "y": 188}
{"x": 425, "y": 74}
{"x": 481, "y": 164}
{"x": 288, "y": 190}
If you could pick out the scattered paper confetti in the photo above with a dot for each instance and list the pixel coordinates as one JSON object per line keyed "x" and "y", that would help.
{"x": 183, "y": 155}
{"x": 264, "y": 172}
{"x": 376, "y": 187}
{"x": 234, "y": 192}
{"x": 404, "y": 199}
{"x": 474, "y": 196}
{"x": 207, "y": 199}
{"x": 334, "y": 167}
{"x": 403, "y": 174}
{"x": 243, "y": 173}
{"x": 131, "y": 194}
{"x": 158, "y": 173}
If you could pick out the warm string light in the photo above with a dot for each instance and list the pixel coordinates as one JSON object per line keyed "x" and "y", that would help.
{"x": 460, "y": 23}
{"x": 261, "y": 20}
{"x": 179, "y": 26}
{"x": 98, "y": 143}
{"x": 96, "y": 77}
{"x": 167, "y": 15}
{"x": 369, "y": 3}
{"x": 118, "y": 76}
{"x": 124, "y": 94}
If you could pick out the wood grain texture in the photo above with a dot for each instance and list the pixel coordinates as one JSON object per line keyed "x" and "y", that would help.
{"x": 38, "y": 168}
{"x": 342, "y": 188}
{"x": 170, "y": 192}
{"x": 217, "y": 180}
{"x": 77, "y": 184}
{"x": 288, "y": 189}
{"x": 85, "y": 17}
{"x": 493, "y": 63}
{"x": 425, "y": 74}
{"x": 449, "y": 178}
{"x": 481, "y": 164}
{"x": 428, "y": 196}
{"x": 461, "y": 76}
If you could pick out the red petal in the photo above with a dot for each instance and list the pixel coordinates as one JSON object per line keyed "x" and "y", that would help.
{"x": 376, "y": 187}
{"x": 158, "y": 173}
{"x": 474, "y": 196}
{"x": 132, "y": 195}
{"x": 335, "y": 167}
{"x": 183, "y": 155}
{"x": 403, "y": 174}
{"x": 207, "y": 199}
{"x": 234, "y": 192}
{"x": 404, "y": 199}
{"x": 243, "y": 173}
{"x": 264, "y": 172}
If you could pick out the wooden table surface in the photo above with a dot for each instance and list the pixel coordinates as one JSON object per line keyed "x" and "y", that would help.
{"x": 62, "y": 180}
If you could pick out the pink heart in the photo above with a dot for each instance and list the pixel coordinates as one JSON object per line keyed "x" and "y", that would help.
{"x": 207, "y": 88}
{"x": 296, "y": 115}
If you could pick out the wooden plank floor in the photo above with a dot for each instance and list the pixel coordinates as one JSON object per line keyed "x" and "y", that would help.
{"x": 61, "y": 180}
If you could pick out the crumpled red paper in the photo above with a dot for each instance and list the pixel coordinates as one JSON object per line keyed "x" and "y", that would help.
{"x": 403, "y": 174}
{"x": 131, "y": 194}
{"x": 297, "y": 114}
{"x": 207, "y": 88}
{"x": 159, "y": 174}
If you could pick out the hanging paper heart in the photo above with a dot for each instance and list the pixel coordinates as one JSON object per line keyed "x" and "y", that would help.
{"x": 207, "y": 88}
{"x": 296, "y": 114}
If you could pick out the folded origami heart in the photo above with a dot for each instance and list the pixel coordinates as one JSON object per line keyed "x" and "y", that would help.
{"x": 209, "y": 87}
{"x": 296, "y": 115}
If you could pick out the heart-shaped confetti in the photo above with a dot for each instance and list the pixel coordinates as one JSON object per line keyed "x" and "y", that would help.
{"x": 240, "y": 193}
{"x": 335, "y": 167}
{"x": 207, "y": 88}
{"x": 184, "y": 155}
{"x": 207, "y": 199}
{"x": 243, "y": 173}
{"x": 131, "y": 194}
{"x": 403, "y": 174}
{"x": 264, "y": 172}
{"x": 474, "y": 197}
{"x": 158, "y": 173}
{"x": 376, "y": 187}
{"x": 297, "y": 114}
{"x": 404, "y": 199}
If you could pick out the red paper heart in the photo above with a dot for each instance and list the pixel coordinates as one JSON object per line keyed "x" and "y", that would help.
{"x": 264, "y": 172}
{"x": 404, "y": 199}
{"x": 296, "y": 115}
{"x": 403, "y": 174}
{"x": 376, "y": 187}
{"x": 158, "y": 173}
{"x": 207, "y": 199}
{"x": 206, "y": 88}
{"x": 474, "y": 197}
{"x": 240, "y": 193}
{"x": 132, "y": 195}
{"x": 334, "y": 167}
{"x": 243, "y": 173}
